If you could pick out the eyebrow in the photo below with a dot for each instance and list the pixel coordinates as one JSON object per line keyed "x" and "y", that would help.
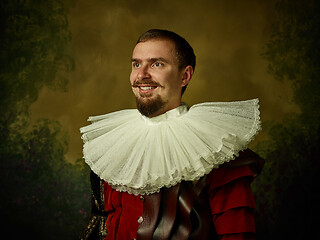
{"x": 151, "y": 60}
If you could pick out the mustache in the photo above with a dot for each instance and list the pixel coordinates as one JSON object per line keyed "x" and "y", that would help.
{"x": 146, "y": 81}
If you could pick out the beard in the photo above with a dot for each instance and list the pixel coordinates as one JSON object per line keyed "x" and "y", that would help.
{"x": 148, "y": 107}
{"x": 146, "y": 104}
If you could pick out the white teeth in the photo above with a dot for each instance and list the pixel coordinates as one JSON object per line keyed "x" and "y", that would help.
{"x": 146, "y": 88}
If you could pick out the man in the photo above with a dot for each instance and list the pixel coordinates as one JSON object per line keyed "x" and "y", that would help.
{"x": 167, "y": 171}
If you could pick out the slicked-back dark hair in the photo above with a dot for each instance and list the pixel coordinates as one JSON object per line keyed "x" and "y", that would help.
{"x": 184, "y": 51}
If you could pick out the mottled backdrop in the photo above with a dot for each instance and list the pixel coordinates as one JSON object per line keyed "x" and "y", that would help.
{"x": 64, "y": 60}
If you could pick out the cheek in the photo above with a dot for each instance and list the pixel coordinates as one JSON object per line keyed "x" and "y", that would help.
{"x": 175, "y": 82}
{"x": 132, "y": 77}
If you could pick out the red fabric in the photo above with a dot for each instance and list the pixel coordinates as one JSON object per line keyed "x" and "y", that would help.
{"x": 124, "y": 210}
{"x": 231, "y": 203}
{"x": 223, "y": 175}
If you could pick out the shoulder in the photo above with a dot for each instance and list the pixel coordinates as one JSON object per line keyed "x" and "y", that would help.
{"x": 248, "y": 164}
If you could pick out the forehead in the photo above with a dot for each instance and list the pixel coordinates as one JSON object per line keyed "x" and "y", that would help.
{"x": 155, "y": 49}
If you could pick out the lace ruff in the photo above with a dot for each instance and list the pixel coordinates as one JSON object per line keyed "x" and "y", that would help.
{"x": 141, "y": 155}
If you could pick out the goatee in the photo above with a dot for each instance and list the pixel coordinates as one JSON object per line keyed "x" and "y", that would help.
{"x": 149, "y": 107}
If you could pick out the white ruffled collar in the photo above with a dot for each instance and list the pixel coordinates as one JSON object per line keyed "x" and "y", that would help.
{"x": 140, "y": 155}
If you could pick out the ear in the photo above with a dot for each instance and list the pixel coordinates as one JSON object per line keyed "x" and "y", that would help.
{"x": 186, "y": 75}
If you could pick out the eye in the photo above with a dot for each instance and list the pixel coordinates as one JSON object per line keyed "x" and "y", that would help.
{"x": 158, "y": 64}
{"x": 136, "y": 65}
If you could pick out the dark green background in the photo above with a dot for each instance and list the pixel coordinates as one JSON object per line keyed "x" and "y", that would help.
{"x": 62, "y": 61}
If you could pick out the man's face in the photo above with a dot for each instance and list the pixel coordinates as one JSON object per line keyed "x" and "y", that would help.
{"x": 155, "y": 77}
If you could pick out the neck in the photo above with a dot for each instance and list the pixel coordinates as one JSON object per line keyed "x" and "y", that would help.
{"x": 164, "y": 110}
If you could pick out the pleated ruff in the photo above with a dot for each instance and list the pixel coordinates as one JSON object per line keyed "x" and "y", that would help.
{"x": 140, "y": 155}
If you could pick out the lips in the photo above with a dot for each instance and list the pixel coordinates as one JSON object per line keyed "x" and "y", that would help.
{"x": 145, "y": 88}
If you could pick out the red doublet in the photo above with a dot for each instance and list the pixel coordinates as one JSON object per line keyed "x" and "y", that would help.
{"x": 230, "y": 197}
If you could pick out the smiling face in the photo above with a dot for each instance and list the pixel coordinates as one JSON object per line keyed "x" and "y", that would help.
{"x": 155, "y": 78}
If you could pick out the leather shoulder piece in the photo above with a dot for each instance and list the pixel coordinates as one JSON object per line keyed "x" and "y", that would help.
{"x": 247, "y": 158}
{"x": 95, "y": 228}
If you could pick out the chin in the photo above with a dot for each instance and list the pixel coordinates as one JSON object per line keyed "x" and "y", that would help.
{"x": 150, "y": 106}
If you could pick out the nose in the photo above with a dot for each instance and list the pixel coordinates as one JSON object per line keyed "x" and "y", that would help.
{"x": 143, "y": 73}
